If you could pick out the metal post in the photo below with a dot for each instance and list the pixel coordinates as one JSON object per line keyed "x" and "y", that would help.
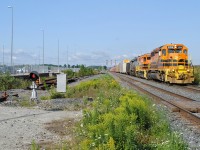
{"x": 67, "y": 57}
{"x": 43, "y": 51}
{"x": 3, "y": 56}
{"x": 34, "y": 92}
{"x": 58, "y": 57}
{"x": 12, "y": 71}
{"x": 43, "y": 46}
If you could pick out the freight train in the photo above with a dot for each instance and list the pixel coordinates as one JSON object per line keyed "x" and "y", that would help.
{"x": 168, "y": 63}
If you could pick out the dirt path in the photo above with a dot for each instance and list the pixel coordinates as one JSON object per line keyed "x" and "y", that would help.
{"x": 20, "y": 126}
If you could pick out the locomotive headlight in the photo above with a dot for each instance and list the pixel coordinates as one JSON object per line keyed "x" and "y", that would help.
{"x": 173, "y": 70}
{"x": 188, "y": 71}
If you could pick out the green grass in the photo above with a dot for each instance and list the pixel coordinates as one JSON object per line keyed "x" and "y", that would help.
{"x": 44, "y": 97}
{"x": 27, "y": 103}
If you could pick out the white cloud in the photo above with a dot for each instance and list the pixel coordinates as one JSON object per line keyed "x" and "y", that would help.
{"x": 92, "y": 58}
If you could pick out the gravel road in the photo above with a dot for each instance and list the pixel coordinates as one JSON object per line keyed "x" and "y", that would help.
{"x": 20, "y": 126}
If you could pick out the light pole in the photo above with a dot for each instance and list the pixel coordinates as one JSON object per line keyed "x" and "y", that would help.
{"x": 3, "y": 56}
{"x": 43, "y": 47}
{"x": 11, "y": 41}
{"x": 58, "y": 57}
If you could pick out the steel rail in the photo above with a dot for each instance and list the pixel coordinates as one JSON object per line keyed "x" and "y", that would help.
{"x": 165, "y": 91}
{"x": 192, "y": 88}
{"x": 191, "y": 116}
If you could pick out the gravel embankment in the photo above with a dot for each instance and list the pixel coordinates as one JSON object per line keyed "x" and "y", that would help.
{"x": 190, "y": 134}
{"x": 20, "y": 126}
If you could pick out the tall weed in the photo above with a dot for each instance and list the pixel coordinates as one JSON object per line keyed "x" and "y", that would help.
{"x": 197, "y": 75}
{"x": 121, "y": 119}
{"x": 8, "y": 82}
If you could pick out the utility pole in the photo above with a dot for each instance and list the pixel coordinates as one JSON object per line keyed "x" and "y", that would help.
{"x": 58, "y": 57}
{"x": 67, "y": 57}
{"x": 43, "y": 47}
{"x": 3, "y": 56}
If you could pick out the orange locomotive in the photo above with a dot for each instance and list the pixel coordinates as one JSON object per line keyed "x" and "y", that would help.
{"x": 143, "y": 65}
{"x": 170, "y": 63}
{"x": 139, "y": 66}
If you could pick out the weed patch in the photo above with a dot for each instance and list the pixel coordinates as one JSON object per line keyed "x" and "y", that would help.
{"x": 197, "y": 75}
{"x": 121, "y": 119}
{"x": 8, "y": 82}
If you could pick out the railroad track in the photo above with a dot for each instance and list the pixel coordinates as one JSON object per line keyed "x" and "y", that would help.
{"x": 191, "y": 88}
{"x": 53, "y": 81}
{"x": 186, "y": 106}
{"x": 183, "y": 98}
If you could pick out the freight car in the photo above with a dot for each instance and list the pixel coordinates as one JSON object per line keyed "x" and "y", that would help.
{"x": 113, "y": 69}
{"x": 124, "y": 66}
{"x": 170, "y": 63}
{"x": 133, "y": 64}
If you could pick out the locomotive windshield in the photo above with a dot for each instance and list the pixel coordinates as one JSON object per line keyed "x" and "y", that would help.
{"x": 178, "y": 51}
{"x": 174, "y": 51}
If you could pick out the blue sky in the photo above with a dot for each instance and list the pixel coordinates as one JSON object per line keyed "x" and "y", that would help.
{"x": 93, "y": 31}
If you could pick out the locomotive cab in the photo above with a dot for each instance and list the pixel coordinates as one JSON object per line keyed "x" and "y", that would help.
{"x": 143, "y": 65}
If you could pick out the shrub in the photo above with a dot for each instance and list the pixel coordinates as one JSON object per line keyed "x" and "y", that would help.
{"x": 44, "y": 97}
{"x": 197, "y": 75}
{"x": 8, "y": 82}
{"x": 69, "y": 72}
{"x": 92, "y": 88}
{"x": 121, "y": 119}
{"x": 54, "y": 94}
{"x": 57, "y": 95}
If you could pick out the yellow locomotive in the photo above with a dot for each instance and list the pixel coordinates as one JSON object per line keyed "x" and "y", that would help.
{"x": 170, "y": 63}
{"x": 142, "y": 67}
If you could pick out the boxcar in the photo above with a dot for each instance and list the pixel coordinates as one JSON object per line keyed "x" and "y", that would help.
{"x": 123, "y": 66}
